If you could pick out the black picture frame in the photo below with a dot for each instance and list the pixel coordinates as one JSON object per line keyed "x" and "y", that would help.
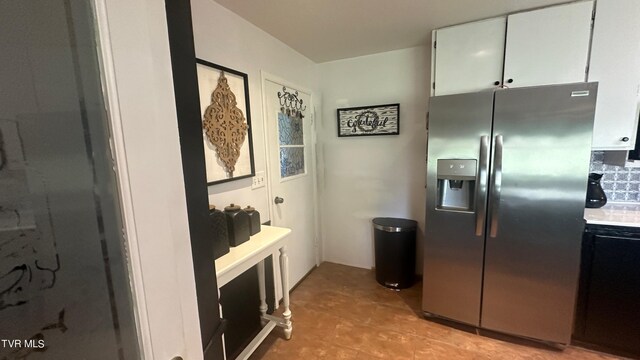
{"x": 388, "y": 114}
{"x": 214, "y": 180}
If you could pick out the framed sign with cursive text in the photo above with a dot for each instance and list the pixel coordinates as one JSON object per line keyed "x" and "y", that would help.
{"x": 369, "y": 120}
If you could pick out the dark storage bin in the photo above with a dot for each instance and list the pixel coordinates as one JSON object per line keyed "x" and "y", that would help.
{"x": 254, "y": 220}
{"x": 395, "y": 252}
{"x": 219, "y": 234}
{"x": 237, "y": 224}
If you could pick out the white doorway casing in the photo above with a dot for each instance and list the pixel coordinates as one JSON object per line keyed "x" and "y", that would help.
{"x": 146, "y": 150}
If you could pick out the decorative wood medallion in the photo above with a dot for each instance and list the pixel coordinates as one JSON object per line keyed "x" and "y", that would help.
{"x": 225, "y": 124}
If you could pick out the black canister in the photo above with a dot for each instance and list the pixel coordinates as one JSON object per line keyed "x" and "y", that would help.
{"x": 254, "y": 220}
{"x": 596, "y": 198}
{"x": 237, "y": 224}
{"x": 220, "y": 236}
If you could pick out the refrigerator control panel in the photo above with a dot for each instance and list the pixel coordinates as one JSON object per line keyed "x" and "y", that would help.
{"x": 457, "y": 169}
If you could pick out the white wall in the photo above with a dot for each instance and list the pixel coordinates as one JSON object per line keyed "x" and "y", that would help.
{"x": 224, "y": 38}
{"x": 366, "y": 177}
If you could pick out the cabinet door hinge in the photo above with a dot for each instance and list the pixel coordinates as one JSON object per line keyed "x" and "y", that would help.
{"x": 433, "y": 85}
{"x": 434, "y": 44}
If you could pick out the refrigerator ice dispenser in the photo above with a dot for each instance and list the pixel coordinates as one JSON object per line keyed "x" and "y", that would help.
{"x": 456, "y": 184}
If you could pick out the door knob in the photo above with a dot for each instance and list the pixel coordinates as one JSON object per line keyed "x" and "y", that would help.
{"x": 278, "y": 200}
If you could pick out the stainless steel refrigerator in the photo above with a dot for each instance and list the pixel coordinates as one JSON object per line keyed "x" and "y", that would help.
{"x": 506, "y": 183}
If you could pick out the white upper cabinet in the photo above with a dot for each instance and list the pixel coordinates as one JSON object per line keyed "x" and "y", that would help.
{"x": 548, "y": 46}
{"x": 615, "y": 64}
{"x": 553, "y": 45}
{"x": 468, "y": 57}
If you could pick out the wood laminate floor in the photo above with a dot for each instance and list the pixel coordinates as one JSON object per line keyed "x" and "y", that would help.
{"x": 341, "y": 312}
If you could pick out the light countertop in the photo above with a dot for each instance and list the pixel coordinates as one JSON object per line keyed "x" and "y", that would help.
{"x": 618, "y": 214}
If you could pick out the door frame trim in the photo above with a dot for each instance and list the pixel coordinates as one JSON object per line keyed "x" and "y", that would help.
{"x": 119, "y": 158}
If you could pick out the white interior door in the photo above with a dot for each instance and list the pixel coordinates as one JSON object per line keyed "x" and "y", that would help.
{"x": 291, "y": 167}
{"x": 548, "y": 46}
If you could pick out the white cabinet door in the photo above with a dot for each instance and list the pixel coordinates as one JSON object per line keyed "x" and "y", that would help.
{"x": 615, "y": 65}
{"x": 548, "y": 46}
{"x": 469, "y": 57}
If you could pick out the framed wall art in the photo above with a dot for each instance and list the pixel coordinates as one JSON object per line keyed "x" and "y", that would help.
{"x": 226, "y": 122}
{"x": 369, "y": 120}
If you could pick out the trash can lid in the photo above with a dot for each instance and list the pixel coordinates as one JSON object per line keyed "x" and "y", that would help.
{"x": 394, "y": 224}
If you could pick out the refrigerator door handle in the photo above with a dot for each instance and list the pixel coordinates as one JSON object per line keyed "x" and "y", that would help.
{"x": 496, "y": 185}
{"x": 481, "y": 188}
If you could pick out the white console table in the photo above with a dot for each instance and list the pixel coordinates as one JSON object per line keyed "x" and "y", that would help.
{"x": 253, "y": 252}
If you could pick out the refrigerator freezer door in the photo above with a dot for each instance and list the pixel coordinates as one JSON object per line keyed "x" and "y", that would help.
{"x": 533, "y": 246}
{"x": 452, "y": 278}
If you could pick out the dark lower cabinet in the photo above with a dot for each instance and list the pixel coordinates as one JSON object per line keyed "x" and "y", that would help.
{"x": 240, "y": 300}
{"x": 608, "y": 308}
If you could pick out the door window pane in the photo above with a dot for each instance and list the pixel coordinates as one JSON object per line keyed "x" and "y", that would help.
{"x": 290, "y": 130}
{"x": 291, "y": 161}
{"x": 291, "y": 142}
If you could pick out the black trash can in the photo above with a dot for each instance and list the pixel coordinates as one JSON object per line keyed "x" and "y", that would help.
{"x": 395, "y": 251}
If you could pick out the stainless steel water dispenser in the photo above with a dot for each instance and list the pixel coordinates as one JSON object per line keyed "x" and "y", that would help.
{"x": 456, "y": 184}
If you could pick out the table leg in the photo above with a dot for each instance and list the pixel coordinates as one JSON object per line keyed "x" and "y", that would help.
{"x": 263, "y": 292}
{"x": 284, "y": 275}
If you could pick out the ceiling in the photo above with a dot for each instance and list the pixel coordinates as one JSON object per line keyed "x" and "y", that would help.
{"x": 326, "y": 30}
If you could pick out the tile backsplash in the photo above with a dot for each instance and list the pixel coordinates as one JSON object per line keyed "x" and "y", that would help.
{"x": 619, "y": 183}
